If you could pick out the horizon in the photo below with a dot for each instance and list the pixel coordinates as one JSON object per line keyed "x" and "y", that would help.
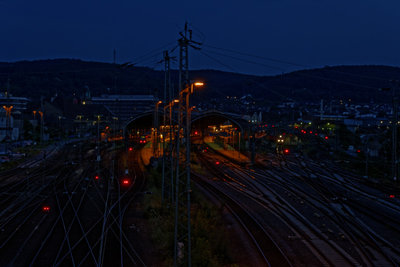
{"x": 203, "y": 69}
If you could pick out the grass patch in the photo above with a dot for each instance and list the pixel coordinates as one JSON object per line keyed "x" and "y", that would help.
{"x": 209, "y": 245}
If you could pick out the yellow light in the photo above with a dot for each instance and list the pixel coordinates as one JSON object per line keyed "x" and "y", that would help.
{"x": 159, "y": 102}
{"x": 83, "y": 102}
{"x": 176, "y": 100}
{"x": 198, "y": 84}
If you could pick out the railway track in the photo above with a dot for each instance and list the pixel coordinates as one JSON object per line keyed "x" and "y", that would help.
{"x": 85, "y": 223}
{"x": 264, "y": 186}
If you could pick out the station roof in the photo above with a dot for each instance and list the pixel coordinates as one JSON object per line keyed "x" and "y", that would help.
{"x": 124, "y": 98}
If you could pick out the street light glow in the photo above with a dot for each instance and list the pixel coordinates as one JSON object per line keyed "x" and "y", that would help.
{"x": 198, "y": 84}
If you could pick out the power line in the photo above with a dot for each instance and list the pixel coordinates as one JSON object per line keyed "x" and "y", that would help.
{"x": 252, "y": 80}
{"x": 218, "y": 61}
{"x": 245, "y": 60}
{"x": 300, "y": 73}
{"x": 291, "y": 63}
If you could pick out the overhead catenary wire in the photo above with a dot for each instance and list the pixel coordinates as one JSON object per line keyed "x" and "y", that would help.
{"x": 290, "y": 63}
{"x": 246, "y": 60}
{"x": 300, "y": 73}
{"x": 252, "y": 80}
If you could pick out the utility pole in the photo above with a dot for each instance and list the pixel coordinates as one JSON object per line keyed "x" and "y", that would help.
{"x": 167, "y": 189}
{"x": 8, "y": 107}
{"x": 182, "y": 235}
{"x": 115, "y": 70}
{"x": 98, "y": 158}
{"x": 41, "y": 120}
{"x": 394, "y": 129}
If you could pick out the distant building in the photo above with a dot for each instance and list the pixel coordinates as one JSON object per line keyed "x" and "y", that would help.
{"x": 17, "y": 106}
{"x": 125, "y": 106}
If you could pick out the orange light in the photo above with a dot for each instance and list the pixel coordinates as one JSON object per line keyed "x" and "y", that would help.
{"x": 198, "y": 84}
{"x": 176, "y": 100}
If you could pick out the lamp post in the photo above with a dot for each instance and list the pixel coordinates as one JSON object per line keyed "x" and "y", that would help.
{"x": 155, "y": 133}
{"x": 188, "y": 90}
{"x": 41, "y": 126}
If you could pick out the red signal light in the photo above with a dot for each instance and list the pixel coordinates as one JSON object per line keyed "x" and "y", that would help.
{"x": 392, "y": 196}
{"x": 130, "y": 149}
{"x": 310, "y": 132}
{"x": 217, "y": 162}
{"x": 286, "y": 151}
{"x": 46, "y": 208}
{"x": 96, "y": 177}
{"x": 126, "y": 182}
{"x": 273, "y": 126}
{"x": 326, "y": 137}
{"x": 196, "y": 133}
{"x": 358, "y": 150}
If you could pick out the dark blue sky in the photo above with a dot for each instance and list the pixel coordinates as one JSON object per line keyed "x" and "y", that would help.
{"x": 312, "y": 33}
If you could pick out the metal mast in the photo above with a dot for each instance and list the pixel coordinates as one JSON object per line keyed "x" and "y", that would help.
{"x": 182, "y": 236}
{"x": 167, "y": 165}
{"x": 394, "y": 130}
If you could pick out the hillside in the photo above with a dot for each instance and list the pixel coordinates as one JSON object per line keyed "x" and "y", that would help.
{"x": 68, "y": 76}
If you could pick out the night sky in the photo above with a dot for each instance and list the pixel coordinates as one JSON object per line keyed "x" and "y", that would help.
{"x": 305, "y": 33}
